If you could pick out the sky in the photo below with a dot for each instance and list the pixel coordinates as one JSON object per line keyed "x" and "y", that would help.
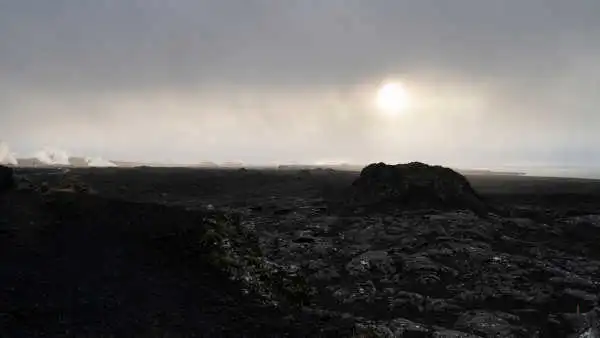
{"x": 490, "y": 83}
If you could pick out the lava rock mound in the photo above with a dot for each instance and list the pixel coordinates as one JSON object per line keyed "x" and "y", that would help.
{"x": 7, "y": 179}
{"x": 144, "y": 269}
{"x": 413, "y": 186}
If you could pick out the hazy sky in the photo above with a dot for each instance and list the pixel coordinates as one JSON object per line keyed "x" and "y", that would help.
{"x": 490, "y": 83}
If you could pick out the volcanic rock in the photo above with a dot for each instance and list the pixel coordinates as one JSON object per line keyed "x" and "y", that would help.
{"x": 485, "y": 324}
{"x": 414, "y": 186}
{"x": 114, "y": 253}
{"x": 7, "y": 179}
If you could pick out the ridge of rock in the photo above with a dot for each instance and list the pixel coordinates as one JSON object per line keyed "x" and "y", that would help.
{"x": 413, "y": 186}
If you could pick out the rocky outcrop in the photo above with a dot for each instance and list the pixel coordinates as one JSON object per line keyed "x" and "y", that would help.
{"x": 7, "y": 179}
{"x": 414, "y": 186}
{"x": 105, "y": 255}
{"x": 451, "y": 274}
{"x": 216, "y": 268}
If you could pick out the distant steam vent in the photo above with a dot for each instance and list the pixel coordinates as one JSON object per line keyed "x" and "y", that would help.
{"x": 6, "y": 156}
{"x": 50, "y": 157}
{"x": 98, "y": 162}
{"x": 53, "y": 157}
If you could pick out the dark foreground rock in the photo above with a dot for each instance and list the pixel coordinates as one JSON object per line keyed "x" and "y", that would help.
{"x": 451, "y": 274}
{"x": 280, "y": 262}
{"x": 76, "y": 264}
{"x": 7, "y": 180}
{"x": 413, "y": 186}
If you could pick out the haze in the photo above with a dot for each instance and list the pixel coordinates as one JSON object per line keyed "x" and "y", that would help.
{"x": 492, "y": 83}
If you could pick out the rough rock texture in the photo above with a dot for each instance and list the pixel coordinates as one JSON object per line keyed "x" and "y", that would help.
{"x": 7, "y": 179}
{"x": 414, "y": 186}
{"x": 450, "y": 274}
{"x": 75, "y": 264}
{"x": 146, "y": 268}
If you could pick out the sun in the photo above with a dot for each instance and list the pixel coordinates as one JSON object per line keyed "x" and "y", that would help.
{"x": 392, "y": 98}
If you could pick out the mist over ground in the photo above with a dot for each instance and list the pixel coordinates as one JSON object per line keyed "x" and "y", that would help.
{"x": 491, "y": 85}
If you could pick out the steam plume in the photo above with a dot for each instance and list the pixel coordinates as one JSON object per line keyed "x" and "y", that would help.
{"x": 6, "y": 156}
{"x": 53, "y": 156}
{"x": 98, "y": 162}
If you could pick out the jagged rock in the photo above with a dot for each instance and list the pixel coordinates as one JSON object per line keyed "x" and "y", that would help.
{"x": 443, "y": 333}
{"x": 174, "y": 256}
{"x": 371, "y": 260}
{"x": 321, "y": 271}
{"x": 574, "y": 282}
{"x": 584, "y": 325}
{"x": 573, "y": 298}
{"x": 484, "y": 323}
{"x": 7, "y": 179}
{"x": 399, "y": 327}
{"x": 23, "y": 183}
{"x": 511, "y": 276}
{"x": 425, "y": 275}
{"x": 414, "y": 186}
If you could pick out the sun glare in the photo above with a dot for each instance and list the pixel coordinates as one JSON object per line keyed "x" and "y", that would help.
{"x": 392, "y": 98}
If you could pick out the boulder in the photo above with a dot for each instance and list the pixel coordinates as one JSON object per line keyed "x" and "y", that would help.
{"x": 485, "y": 324}
{"x": 7, "y": 179}
{"x": 414, "y": 186}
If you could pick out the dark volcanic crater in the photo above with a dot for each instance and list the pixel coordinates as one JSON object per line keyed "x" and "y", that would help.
{"x": 424, "y": 252}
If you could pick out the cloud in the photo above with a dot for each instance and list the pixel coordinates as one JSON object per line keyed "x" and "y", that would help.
{"x": 258, "y": 80}
{"x": 133, "y": 44}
